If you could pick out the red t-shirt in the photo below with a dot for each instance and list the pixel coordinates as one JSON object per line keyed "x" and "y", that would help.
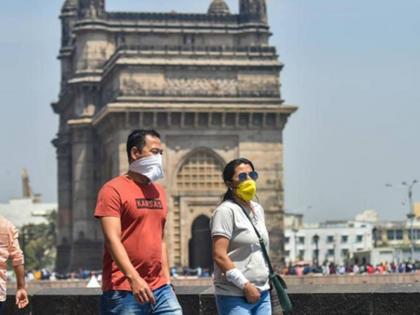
{"x": 142, "y": 210}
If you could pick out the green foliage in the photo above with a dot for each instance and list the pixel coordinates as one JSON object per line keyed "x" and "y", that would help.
{"x": 38, "y": 243}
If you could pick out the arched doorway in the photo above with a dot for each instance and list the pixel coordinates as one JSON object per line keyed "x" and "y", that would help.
{"x": 200, "y": 244}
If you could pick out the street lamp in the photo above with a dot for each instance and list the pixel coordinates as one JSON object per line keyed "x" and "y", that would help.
{"x": 411, "y": 215}
{"x": 410, "y": 193}
{"x": 375, "y": 237}
{"x": 295, "y": 230}
{"x": 316, "y": 240}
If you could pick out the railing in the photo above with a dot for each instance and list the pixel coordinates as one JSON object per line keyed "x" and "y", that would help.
{"x": 248, "y": 49}
{"x": 173, "y": 17}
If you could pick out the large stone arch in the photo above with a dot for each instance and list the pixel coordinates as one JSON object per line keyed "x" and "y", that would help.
{"x": 191, "y": 158}
{"x": 197, "y": 190}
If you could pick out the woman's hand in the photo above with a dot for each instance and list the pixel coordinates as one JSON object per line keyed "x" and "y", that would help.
{"x": 252, "y": 294}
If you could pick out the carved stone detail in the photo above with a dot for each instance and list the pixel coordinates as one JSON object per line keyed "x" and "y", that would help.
{"x": 201, "y": 87}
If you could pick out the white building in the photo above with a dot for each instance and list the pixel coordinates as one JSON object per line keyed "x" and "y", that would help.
{"x": 23, "y": 211}
{"x": 29, "y": 209}
{"x": 337, "y": 241}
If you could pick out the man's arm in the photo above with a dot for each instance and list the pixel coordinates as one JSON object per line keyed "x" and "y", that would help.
{"x": 111, "y": 227}
{"x": 16, "y": 255}
{"x": 165, "y": 263}
{"x": 21, "y": 294}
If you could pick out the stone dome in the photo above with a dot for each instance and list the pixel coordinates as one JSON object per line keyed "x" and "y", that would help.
{"x": 218, "y": 7}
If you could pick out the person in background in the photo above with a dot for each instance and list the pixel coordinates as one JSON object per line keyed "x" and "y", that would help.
{"x": 240, "y": 270}
{"x": 9, "y": 248}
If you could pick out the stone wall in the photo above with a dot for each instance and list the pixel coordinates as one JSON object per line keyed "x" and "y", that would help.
{"x": 360, "y": 299}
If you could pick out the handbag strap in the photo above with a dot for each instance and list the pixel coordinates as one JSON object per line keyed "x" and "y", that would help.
{"x": 260, "y": 240}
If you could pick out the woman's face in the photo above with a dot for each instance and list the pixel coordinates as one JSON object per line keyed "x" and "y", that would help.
{"x": 241, "y": 168}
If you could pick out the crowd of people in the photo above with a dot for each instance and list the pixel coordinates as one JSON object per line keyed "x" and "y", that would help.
{"x": 291, "y": 270}
{"x": 325, "y": 269}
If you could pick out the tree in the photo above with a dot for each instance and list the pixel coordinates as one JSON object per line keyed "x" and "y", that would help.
{"x": 38, "y": 243}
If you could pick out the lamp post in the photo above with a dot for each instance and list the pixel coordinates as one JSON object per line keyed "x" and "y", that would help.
{"x": 375, "y": 237}
{"x": 316, "y": 259}
{"x": 411, "y": 215}
{"x": 295, "y": 230}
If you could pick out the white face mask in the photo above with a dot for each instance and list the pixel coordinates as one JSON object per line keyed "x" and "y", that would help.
{"x": 150, "y": 166}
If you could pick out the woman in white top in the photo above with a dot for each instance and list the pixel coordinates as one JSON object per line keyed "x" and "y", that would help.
{"x": 241, "y": 273}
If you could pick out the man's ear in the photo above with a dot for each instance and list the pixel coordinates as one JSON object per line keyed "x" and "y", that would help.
{"x": 135, "y": 153}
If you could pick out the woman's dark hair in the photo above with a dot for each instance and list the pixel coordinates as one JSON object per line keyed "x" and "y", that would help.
{"x": 137, "y": 138}
{"x": 228, "y": 173}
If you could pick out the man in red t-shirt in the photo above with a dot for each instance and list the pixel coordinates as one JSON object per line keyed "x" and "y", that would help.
{"x": 132, "y": 210}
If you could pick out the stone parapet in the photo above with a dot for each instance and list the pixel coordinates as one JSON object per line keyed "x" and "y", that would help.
{"x": 199, "y": 300}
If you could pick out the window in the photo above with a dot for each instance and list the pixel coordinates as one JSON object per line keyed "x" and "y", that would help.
{"x": 301, "y": 254}
{"x": 286, "y": 240}
{"x": 216, "y": 119}
{"x": 203, "y": 119}
{"x": 162, "y": 119}
{"x": 201, "y": 171}
{"x": 330, "y": 239}
{"x": 395, "y": 235}
{"x": 330, "y": 252}
{"x": 270, "y": 120}
{"x": 176, "y": 119}
{"x": 301, "y": 240}
{"x": 344, "y": 252}
{"x": 359, "y": 238}
{"x": 415, "y": 233}
{"x": 257, "y": 119}
{"x": 189, "y": 119}
{"x": 243, "y": 119}
{"x": 344, "y": 238}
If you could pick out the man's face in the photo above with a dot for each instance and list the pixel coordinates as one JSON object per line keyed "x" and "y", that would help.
{"x": 152, "y": 146}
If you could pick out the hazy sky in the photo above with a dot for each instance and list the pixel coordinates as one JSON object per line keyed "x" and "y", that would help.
{"x": 352, "y": 67}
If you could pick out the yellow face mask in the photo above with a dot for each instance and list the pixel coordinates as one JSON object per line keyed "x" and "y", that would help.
{"x": 246, "y": 190}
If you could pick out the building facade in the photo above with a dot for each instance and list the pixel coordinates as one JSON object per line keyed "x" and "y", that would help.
{"x": 335, "y": 242}
{"x": 209, "y": 83}
{"x": 27, "y": 209}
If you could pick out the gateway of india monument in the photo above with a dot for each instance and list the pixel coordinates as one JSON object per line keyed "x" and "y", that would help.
{"x": 208, "y": 82}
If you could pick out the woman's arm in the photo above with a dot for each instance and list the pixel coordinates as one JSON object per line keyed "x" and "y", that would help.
{"x": 220, "y": 256}
{"x": 233, "y": 275}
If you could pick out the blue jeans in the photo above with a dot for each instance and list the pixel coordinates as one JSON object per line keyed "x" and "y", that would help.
{"x": 237, "y": 305}
{"x": 124, "y": 303}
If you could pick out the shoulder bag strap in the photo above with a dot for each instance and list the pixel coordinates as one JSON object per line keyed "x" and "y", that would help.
{"x": 260, "y": 239}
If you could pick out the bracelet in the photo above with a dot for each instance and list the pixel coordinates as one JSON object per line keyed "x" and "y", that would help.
{"x": 236, "y": 277}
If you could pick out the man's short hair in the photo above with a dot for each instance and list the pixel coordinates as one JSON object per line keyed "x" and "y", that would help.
{"x": 137, "y": 138}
